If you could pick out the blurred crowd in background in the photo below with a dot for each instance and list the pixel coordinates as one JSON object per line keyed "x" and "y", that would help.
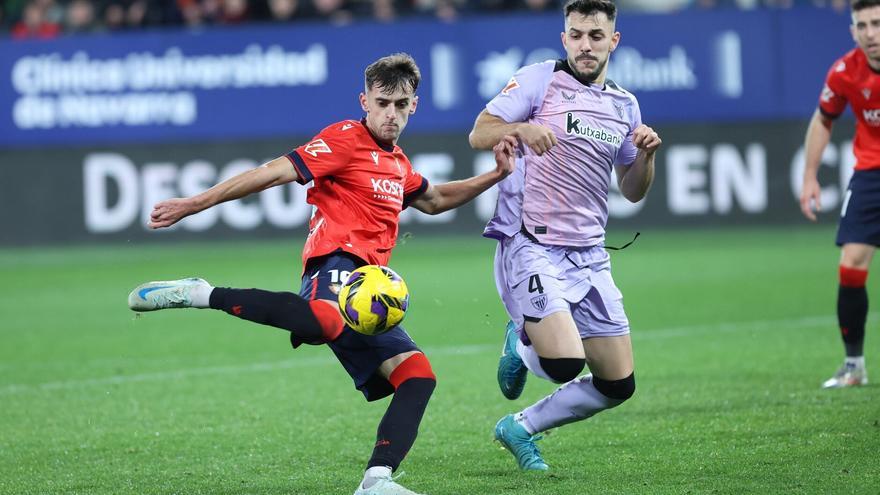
{"x": 43, "y": 19}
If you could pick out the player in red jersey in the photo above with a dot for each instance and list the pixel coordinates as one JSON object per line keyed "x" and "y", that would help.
{"x": 362, "y": 181}
{"x": 853, "y": 79}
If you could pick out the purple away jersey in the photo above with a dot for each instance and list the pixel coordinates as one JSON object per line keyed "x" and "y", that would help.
{"x": 561, "y": 198}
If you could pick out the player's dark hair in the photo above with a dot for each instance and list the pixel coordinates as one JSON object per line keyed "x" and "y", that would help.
{"x": 397, "y": 71}
{"x": 590, "y": 7}
{"x": 857, "y": 5}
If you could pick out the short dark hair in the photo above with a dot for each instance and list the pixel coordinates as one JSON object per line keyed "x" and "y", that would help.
{"x": 857, "y": 5}
{"x": 396, "y": 71}
{"x": 589, "y": 7}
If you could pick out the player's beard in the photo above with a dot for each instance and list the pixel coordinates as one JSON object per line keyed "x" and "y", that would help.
{"x": 588, "y": 77}
{"x": 873, "y": 55}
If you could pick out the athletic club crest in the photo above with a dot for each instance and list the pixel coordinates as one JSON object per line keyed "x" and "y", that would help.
{"x": 539, "y": 302}
{"x": 618, "y": 108}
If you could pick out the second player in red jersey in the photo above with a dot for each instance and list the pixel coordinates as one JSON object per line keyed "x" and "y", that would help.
{"x": 853, "y": 80}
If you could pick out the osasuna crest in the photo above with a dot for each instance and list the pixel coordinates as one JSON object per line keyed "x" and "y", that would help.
{"x": 539, "y": 302}
{"x": 866, "y": 92}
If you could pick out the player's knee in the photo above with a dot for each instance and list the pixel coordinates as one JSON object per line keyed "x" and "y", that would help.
{"x": 415, "y": 367}
{"x": 329, "y": 321}
{"x": 562, "y": 370}
{"x": 616, "y": 389}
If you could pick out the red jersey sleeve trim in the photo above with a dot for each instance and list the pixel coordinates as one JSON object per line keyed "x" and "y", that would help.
{"x": 304, "y": 175}
{"x": 409, "y": 198}
{"x": 829, "y": 115}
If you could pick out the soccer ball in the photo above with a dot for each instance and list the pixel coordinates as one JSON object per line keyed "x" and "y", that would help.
{"x": 373, "y": 300}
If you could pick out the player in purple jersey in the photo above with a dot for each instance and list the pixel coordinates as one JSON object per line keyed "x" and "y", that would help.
{"x": 551, "y": 268}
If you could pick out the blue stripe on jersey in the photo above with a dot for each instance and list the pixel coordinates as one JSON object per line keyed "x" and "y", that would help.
{"x": 409, "y": 198}
{"x": 302, "y": 170}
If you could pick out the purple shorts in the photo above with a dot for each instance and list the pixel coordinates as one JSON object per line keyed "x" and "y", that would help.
{"x": 536, "y": 280}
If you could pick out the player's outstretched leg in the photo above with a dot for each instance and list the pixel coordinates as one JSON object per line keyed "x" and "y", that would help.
{"x": 512, "y": 372}
{"x": 309, "y": 321}
{"x": 183, "y": 293}
{"x": 514, "y": 437}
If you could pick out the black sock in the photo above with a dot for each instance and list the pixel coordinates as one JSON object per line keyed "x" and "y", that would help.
{"x": 400, "y": 425}
{"x": 852, "y": 311}
{"x": 284, "y": 310}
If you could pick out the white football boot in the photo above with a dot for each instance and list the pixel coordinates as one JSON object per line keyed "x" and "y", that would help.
{"x": 848, "y": 375}
{"x": 153, "y": 296}
{"x": 385, "y": 486}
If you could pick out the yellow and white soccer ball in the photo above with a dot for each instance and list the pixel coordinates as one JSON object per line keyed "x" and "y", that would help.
{"x": 373, "y": 300}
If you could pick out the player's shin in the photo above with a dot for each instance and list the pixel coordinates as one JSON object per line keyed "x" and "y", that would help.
{"x": 852, "y": 309}
{"x": 414, "y": 383}
{"x": 577, "y": 400}
{"x": 309, "y": 321}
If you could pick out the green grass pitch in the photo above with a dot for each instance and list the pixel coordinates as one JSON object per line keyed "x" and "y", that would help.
{"x": 733, "y": 333}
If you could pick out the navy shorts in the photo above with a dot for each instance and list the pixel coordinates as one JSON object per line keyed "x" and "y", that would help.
{"x": 360, "y": 355}
{"x": 860, "y": 215}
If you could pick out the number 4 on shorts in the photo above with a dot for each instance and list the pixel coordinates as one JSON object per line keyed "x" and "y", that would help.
{"x": 535, "y": 284}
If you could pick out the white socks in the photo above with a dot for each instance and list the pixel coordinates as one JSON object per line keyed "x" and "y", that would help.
{"x": 521, "y": 419}
{"x": 372, "y": 475}
{"x": 200, "y": 295}
{"x": 531, "y": 360}
{"x": 858, "y": 362}
{"x": 573, "y": 401}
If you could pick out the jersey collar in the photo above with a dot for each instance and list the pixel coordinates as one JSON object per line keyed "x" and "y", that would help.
{"x": 385, "y": 147}
{"x": 562, "y": 64}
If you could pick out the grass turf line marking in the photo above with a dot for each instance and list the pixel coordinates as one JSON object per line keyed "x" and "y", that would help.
{"x": 660, "y": 333}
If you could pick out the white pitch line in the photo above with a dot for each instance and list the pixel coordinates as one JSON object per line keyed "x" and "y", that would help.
{"x": 326, "y": 360}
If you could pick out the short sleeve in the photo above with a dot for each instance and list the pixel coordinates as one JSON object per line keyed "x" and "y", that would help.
{"x": 414, "y": 185}
{"x": 523, "y": 94}
{"x": 626, "y": 155}
{"x": 325, "y": 155}
{"x": 832, "y": 101}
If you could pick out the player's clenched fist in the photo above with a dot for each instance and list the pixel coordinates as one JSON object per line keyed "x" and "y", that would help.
{"x": 646, "y": 139}
{"x": 539, "y": 138}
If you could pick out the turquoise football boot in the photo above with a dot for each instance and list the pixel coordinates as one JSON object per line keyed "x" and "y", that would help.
{"x": 517, "y": 440}
{"x": 512, "y": 372}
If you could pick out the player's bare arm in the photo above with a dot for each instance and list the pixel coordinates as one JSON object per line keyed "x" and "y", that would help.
{"x": 818, "y": 137}
{"x": 635, "y": 180}
{"x": 489, "y": 130}
{"x": 276, "y": 172}
{"x": 443, "y": 197}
